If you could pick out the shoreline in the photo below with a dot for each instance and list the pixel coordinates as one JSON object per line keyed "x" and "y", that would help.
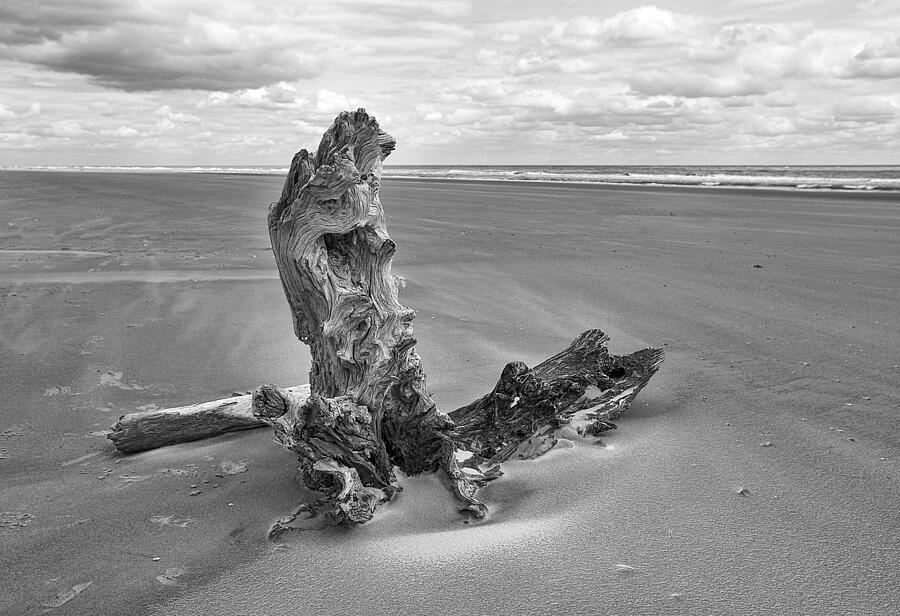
{"x": 281, "y": 172}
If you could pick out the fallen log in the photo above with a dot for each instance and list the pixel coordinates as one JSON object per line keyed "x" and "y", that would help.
{"x": 136, "y": 432}
{"x": 526, "y": 407}
{"x": 582, "y": 384}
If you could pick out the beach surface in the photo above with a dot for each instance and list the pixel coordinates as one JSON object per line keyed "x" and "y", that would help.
{"x": 756, "y": 473}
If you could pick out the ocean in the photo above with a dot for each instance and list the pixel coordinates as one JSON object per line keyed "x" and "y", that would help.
{"x": 814, "y": 178}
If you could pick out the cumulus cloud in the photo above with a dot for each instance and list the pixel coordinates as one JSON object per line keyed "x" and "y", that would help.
{"x": 124, "y": 131}
{"x": 60, "y": 128}
{"x": 331, "y": 102}
{"x": 642, "y": 26}
{"x": 657, "y": 51}
{"x": 877, "y": 59}
{"x": 281, "y": 95}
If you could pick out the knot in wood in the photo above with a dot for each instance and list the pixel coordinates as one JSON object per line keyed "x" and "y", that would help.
{"x": 269, "y": 402}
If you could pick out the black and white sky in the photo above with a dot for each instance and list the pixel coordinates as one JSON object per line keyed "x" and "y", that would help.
{"x": 239, "y": 82}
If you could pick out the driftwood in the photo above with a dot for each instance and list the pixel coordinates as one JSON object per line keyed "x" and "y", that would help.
{"x": 582, "y": 384}
{"x": 151, "y": 429}
{"x": 368, "y": 410}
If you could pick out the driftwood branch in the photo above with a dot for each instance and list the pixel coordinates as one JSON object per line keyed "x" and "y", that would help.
{"x": 136, "y": 432}
{"x": 582, "y": 384}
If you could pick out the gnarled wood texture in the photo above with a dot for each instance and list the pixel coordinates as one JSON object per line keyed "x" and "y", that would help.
{"x": 368, "y": 410}
{"x": 522, "y": 414}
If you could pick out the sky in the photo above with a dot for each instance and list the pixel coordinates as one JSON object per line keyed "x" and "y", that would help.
{"x": 234, "y": 82}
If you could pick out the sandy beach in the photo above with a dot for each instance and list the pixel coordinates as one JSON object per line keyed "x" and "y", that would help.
{"x": 756, "y": 473}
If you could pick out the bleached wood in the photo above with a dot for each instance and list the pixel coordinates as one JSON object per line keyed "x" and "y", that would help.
{"x": 146, "y": 430}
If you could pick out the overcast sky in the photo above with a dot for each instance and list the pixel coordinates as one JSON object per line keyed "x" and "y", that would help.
{"x": 228, "y": 82}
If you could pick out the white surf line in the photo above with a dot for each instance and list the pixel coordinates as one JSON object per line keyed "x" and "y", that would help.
{"x": 154, "y": 276}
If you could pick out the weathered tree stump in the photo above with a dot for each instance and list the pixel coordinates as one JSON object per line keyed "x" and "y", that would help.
{"x": 368, "y": 410}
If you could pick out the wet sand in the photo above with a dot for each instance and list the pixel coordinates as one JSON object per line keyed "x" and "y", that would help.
{"x": 122, "y": 291}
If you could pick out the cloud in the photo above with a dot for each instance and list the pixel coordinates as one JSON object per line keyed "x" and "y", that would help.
{"x": 649, "y": 51}
{"x": 331, "y": 102}
{"x": 124, "y": 131}
{"x": 28, "y": 22}
{"x": 868, "y": 109}
{"x": 777, "y": 5}
{"x": 241, "y": 81}
{"x": 697, "y": 85}
{"x": 652, "y": 76}
{"x": 614, "y": 135}
{"x": 281, "y": 95}
{"x": 205, "y": 45}
{"x": 171, "y": 120}
{"x": 641, "y": 26}
{"x": 136, "y": 57}
{"x": 877, "y": 59}
{"x": 444, "y": 8}
{"x": 59, "y": 128}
